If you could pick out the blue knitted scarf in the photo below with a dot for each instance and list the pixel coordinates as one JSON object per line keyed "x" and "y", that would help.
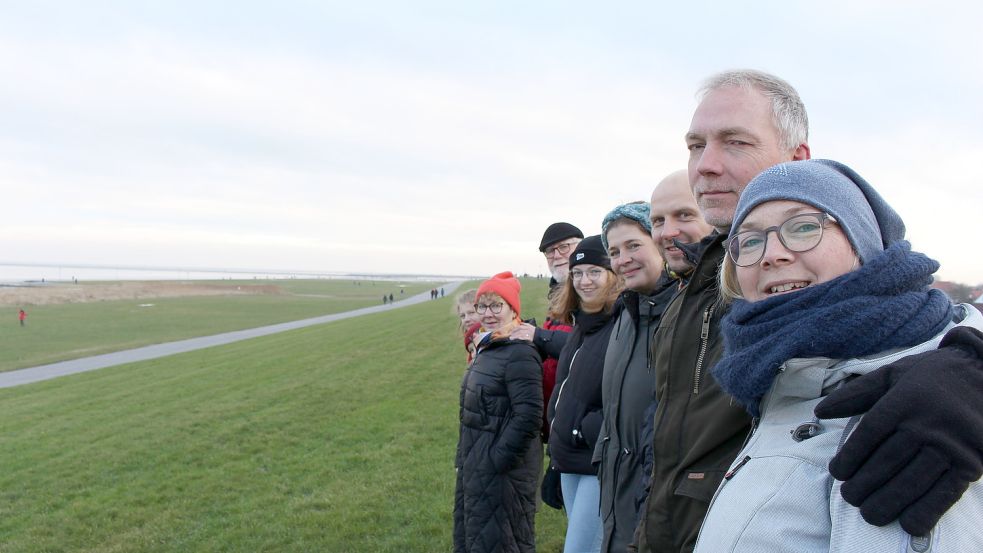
{"x": 884, "y": 304}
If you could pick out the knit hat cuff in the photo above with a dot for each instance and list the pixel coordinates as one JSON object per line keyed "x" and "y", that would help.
{"x": 505, "y": 285}
{"x": 590, "y": 252}
{"x": 638, "y": 212}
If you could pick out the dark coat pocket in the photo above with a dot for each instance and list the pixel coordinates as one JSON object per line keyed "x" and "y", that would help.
{"x": 699, "y": 484}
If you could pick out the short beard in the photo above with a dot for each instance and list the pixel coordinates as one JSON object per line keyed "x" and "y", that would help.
{"x": 560, "y": 278}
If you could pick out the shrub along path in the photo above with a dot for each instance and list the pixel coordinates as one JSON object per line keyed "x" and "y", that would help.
{"x": 73, "y": 366}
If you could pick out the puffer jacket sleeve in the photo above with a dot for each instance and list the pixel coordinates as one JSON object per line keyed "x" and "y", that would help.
{"x": 524, "y": 386}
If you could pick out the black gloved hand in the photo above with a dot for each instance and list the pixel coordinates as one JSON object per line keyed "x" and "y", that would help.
{"x": 551, "y": 491}
{"x": 920, "y": 444}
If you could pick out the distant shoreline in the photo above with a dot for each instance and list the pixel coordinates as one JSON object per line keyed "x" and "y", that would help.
{"x": 27, "y": 274}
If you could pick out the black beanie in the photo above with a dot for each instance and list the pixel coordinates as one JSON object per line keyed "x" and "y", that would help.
{"x": 590, "y": 251}
{"x": 557, "y": 232}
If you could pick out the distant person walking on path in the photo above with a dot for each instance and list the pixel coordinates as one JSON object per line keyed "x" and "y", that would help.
{"x": 499, "y": 457}
{"x": 391, "y": 299}
{"x": 385, "y": 299}
{"x": 22, "y": 316}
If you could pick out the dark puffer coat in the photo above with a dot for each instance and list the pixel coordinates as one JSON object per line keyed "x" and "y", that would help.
{"x": 499, "y": 455}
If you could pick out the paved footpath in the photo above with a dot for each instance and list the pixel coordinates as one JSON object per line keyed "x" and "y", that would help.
{"x": 54, "y": 370}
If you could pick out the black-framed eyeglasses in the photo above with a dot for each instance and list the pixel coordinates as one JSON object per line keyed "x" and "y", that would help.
{"x": 798, "y": 234}
{"x": 559, "y": 249}
{"x": 592, "y": 274}
{"x": 495, "y": 308}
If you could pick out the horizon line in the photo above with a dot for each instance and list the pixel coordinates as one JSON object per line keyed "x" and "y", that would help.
{"x": 238, "y": 270}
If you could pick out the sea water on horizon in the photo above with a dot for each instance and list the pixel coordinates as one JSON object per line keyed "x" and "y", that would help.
{"x": 14, "y": 275}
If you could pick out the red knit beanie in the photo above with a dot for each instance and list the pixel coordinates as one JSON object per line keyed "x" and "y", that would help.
{"x": 505, "y": 285}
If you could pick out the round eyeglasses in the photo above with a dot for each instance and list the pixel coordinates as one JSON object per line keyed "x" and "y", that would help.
{"x": 495, "y": 308}
{"x": 592, "y": 274}
{"x": 798, "y": 234}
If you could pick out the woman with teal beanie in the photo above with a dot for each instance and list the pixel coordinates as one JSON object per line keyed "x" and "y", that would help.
{"x": 628, "y": 380}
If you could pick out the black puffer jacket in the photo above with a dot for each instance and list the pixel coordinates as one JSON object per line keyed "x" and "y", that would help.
{"x": 499, "y": 455}
{"x": 575, "y": 406}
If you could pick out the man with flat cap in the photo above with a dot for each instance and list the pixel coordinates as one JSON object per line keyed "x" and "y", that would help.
{"x": 558, "y": 242}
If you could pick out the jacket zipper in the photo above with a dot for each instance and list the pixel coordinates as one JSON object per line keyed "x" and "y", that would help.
{"x": 730, "y": 473}
{"x": 704, "y": 342}
{"x": 648, "y": 337}
{"x": 559, "y": 394}
{"x": 600, "y": 470}
{"x": 482, "y": 406}
{"x": 754, "y": 426}
{"x": 713, "y": 500}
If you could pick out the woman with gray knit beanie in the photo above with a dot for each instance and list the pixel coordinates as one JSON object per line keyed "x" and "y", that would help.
{"x": 825, "y": 291}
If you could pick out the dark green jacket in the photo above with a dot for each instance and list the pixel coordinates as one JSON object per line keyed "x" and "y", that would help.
{"x": 698, "y": 428}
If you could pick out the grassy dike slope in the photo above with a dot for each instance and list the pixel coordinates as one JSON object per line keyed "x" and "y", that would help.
{"x": 58, "y": 332}
{"x": 332, "y": 438}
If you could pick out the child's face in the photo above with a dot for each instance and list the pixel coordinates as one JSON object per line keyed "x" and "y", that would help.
{"x": 467, "y": 315}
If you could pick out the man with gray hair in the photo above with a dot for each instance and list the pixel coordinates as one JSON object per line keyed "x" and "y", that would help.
{"x": 746, "y": 122}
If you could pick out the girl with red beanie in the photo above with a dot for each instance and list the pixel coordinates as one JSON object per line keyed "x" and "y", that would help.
{"x": 499, "y": 456}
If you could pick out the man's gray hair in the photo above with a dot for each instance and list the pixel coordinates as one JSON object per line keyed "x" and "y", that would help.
{"x": 788, "y": 111}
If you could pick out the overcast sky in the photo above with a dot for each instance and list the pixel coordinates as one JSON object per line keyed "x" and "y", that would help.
{"x": 443, "y": 137}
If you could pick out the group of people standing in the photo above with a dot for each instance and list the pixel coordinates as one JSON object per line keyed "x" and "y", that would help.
{"x": 753, "y": 360}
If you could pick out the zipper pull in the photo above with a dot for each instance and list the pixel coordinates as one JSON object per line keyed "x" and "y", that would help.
{"x": 706, "y": 323}
{"x": 730, "y": 473}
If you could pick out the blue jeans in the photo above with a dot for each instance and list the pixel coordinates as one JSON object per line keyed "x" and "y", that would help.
{"x": 582, "y": 500}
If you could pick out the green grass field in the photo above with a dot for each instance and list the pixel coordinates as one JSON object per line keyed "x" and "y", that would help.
{"x": 68, "y": 331}
{"x": 335, "y": 438}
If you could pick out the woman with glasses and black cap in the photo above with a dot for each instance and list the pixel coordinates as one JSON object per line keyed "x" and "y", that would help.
{"x": 499, "y": 455}
{"x": 586, "y": 300}
{"x": 825, "y": 291}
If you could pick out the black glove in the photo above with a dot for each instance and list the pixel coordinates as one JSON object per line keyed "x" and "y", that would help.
{"x": 920, "y": 444}
{"x": 551, "y": 491}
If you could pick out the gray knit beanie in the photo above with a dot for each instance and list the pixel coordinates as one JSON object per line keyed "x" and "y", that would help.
{"x": 868, "y": 221}
{"x": 636, "y": 211}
